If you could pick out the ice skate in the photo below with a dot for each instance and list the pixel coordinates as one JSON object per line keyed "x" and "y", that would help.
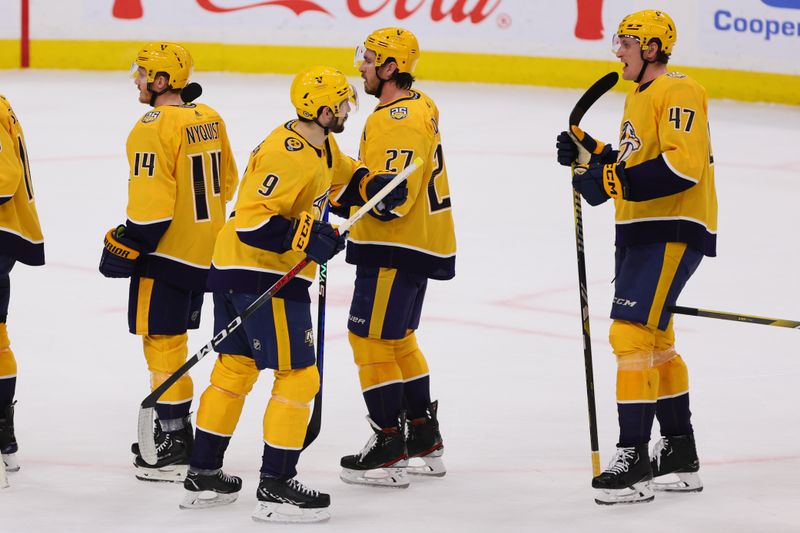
{"x": 424, "y": 445}
{"x": 173, "y": 448}
{"x": 210, "y": 489}
{"x": 8, "y": 442}
{"x": 678, "y": 456}
{"x": 289, "y": 501}
{"x": 627, "y": 478}
{"x": 382, "y": 462}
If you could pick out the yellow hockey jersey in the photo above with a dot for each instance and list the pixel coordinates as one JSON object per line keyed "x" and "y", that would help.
{"x": 666, "y": 146}
{"x": 182, "y": 173}
{"x": 421, "y": 238}
{"x": 20, "y": 231}
{"x": 286, "y": 175}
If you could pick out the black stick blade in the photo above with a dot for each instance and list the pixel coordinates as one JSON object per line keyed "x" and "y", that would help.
{"x": 592, "y": 94}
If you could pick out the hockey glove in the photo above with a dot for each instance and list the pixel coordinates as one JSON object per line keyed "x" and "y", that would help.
{"x": 373, "y": 182}
{"x": 119, "y": 254}
{"x": 598, "y": 183}
{"x": 577, "y": 146}
{"x": 318, "y": 239}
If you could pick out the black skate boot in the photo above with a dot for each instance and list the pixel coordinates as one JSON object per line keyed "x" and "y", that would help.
{"x": 424, "y": 443}
{"x": 8, "y": 442}
{"x": 383, "y": 460}
{"x": 676, "y": 455}
{"x": 289, "y": 501}
{"x": 173, "y": 448}
{"x": 158, "y": 438}
{"x": 209, "y": 489}
{"x": 627, "y": 478}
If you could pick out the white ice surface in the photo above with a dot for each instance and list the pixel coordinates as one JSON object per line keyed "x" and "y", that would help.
{"x": 502, "y": 339}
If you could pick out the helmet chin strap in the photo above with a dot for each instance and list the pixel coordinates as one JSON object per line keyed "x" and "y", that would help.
{"x": 318, "y": 123}
{"x": 154, "y": 95}
{"x": 645, "y": 62}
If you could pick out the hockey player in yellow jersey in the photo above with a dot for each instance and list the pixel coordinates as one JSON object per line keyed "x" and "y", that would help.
{"x": 182, "y": 173}
{"x": 283, "y": 193}
{"x": 20, "y": 240}
{"x": 662, "y": 181}
{"x": 395, "y": 252}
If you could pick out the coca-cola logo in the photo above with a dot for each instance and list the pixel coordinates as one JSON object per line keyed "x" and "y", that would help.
{"x": 132, "y": 9}
{"x": 457, "y": 11}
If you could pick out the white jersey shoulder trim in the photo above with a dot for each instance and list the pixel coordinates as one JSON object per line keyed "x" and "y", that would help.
{"x": 182, "y": 261}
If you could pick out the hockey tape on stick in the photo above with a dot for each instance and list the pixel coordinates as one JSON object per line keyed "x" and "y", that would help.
{"x": 147, "y": 444}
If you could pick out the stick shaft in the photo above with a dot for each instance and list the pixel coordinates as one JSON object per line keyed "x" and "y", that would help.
{"x": 736, "y": 317}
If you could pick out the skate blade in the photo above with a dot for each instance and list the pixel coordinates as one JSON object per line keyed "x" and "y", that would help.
{"x": 396, "y": 478}
{"x": 430, "y": 466}
{"x": 10, "y": 462}
{"x": 687, "y": 482}
{"x": 169, "y": 474}
{"x": 638, "y": 493}
{"x": 206, "y": 499}
{"x": 285, "y": 513}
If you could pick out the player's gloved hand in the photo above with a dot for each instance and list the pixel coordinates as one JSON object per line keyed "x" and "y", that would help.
{"x": 373, "y": 182}
{"x": 119, "y": 254}
{"x": 317, "y": 238}
{"x": 577, "y": 146}
{"x": 598, "y": 183}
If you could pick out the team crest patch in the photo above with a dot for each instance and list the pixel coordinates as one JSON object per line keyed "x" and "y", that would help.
{"x": 293, "y": 144}
{"x": 398, "y": 113}
{"x": 676, "y": 74}
{"x": 256, "y": 344}
{"x": 629, "y": 142}
{"x": 310, "y": 337}
{"x": 150, "y": 116}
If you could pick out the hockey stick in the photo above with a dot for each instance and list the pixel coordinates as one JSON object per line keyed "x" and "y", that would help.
{"x": 736, "y": 317}
{"x": 147, "y": 445}
{"x": 600, "y": 87}
{"x": 315, "y": 422}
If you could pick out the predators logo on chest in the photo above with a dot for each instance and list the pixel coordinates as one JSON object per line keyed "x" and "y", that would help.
{"x": 319, "y": 205}
{"x": 629, "y": 142}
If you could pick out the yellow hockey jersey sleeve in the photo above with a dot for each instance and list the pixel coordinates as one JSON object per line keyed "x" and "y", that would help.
{"x": 286, "y": 176}
{"x": 422, "y": 238}
{"x": 20, "y": 231}
{"x": 182, "y": 173}
{"x": 665, "y": 145}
